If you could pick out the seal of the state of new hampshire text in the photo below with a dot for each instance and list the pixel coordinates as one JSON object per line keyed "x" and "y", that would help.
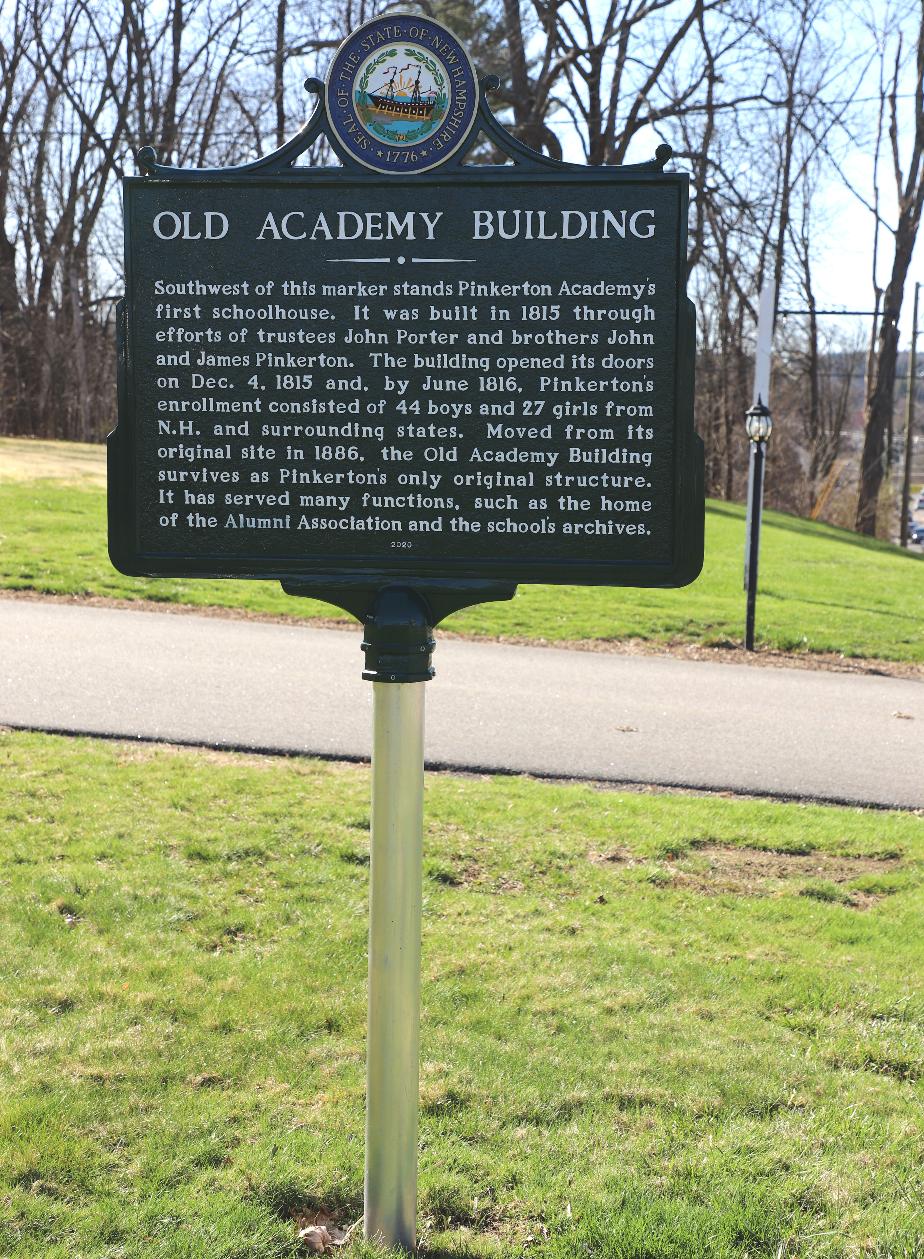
{"x": 402, "y": 94}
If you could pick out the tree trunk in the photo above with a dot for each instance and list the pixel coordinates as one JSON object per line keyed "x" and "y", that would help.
{"x": 880, "y": 389}
{"x": 881, "y": 384}
{"x": 279, "y": 66}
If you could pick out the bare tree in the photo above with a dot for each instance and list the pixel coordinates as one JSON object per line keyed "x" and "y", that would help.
{"x": 754, "y": 169}
{"x": 19, "y": 85}
{"x": 909, "y": 191}
{"x": 742, "y": 89}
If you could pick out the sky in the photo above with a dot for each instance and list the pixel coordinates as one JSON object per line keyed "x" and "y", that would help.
{"x": 844, "y": 253}
{"x": 843, "y": 262}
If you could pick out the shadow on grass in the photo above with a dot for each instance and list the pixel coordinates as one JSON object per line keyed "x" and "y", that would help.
{"x": 865, "y": 608}
{"x": 818, "y": 530}
{"x": 287, "y": 1199}
{"x": 735, "y": 511}
{"x": 814, "y": 529}
{"x": 455, "y": 1252}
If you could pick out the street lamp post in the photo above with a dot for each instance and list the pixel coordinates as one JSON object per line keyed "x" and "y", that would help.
{"x": 909, "y": 421}
{"x": 759, "y": 426}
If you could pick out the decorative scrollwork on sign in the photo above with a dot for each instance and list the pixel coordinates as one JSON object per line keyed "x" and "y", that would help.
{"x": 488, "y": 125}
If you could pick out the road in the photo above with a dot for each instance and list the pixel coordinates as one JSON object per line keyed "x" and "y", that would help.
{"x": 630, "y": 719}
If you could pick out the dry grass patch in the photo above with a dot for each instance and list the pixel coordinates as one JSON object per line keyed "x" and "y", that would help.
{"x": 467, "y": 873}
{"x": 613, "y": 857}
{"x": 727, "y": 868}
{"x": 141, "y": 753}
{"x": 738, "y": 870}
{"x": 75, "y": 463}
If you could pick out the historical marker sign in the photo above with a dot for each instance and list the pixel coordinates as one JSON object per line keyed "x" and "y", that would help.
{"x": 404, "y": 384}
{"x": 472, "y": 372}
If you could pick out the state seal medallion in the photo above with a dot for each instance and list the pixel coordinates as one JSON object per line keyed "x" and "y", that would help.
{"x": 402, "y": 94}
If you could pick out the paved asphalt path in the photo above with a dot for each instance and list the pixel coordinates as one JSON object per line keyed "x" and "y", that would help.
{"x": 634, "y": 719}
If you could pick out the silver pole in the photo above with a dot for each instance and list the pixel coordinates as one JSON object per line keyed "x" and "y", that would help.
{"x": 392, "y": 1052}
{"x": 909, "y": 421}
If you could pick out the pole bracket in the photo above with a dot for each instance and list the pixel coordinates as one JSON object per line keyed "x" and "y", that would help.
{"x": 398, "y": 641}
{"x": 398, "y": 617}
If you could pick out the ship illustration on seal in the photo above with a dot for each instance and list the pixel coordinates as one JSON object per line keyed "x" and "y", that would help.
{"x": 393, "y": 105}
{"x": 402, "y": 99}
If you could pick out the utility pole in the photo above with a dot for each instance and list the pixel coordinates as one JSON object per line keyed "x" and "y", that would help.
{"x": 909, "y": 420}
{"x": 758, "y": 425}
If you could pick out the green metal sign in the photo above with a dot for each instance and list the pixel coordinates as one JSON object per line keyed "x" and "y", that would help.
{"x": 404, "y": 384}
{"x": 470, "y": 373}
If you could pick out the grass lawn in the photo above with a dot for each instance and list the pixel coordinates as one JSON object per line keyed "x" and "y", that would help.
{"x": 822, "y": 589}
{"x": 654, "y": 1026}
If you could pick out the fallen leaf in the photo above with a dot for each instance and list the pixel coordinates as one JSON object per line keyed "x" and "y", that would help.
{"x": 315, "y": 1238}
{"x": 319, "y": 1233}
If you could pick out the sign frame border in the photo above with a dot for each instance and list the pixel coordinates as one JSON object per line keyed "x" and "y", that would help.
{"x": 527, "y": 166}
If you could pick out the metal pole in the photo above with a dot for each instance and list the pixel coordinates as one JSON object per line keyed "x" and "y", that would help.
{"x": 763, "y": 360}
{"x": 909, "y": 421}
{"x": 392, "y": 1055}
{"x": 398, "y": 645}
{"x": 748, "y": 520}
{"x": 755, "y": 509}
